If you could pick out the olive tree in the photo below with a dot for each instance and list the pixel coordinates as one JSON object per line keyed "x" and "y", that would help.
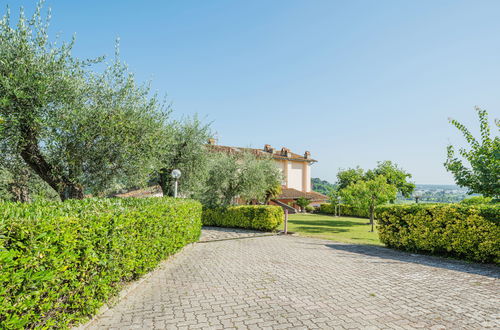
{"x": 244, "y": 176}
{"x": 477, "y": 168}
{"x": 185, "y": 150}
{"x": 77, "y": 128}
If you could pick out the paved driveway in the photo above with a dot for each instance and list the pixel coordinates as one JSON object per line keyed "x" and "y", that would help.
{"x": 279, "y": 282}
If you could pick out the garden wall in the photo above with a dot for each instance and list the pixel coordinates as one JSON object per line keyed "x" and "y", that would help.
{"x": 470, "y": 232}
{"x": 59, "y": 262}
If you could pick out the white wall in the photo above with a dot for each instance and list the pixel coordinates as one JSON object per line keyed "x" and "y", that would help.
{"x": 306, "y": 179}
{"x": 295, "y": 175}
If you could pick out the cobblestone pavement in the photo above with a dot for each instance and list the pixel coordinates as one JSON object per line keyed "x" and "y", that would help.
{"x": 214, "y": 233}
{"x": 282, "y": 282}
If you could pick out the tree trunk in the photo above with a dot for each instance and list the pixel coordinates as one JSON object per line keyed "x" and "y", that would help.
{"x": 19, "y": 189}
{"x": 31, "y": 154}
{"x": 165, "y": 182}
{"x": 371, "y": 219}
{"x": 20, "y": 192}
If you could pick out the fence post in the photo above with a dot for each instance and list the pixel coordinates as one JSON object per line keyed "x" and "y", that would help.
{"x": 286, "y": 222}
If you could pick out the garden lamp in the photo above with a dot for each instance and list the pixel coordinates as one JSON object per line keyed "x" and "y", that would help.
{"x": 417, "y": 195}
{"x": 176, "y": 174}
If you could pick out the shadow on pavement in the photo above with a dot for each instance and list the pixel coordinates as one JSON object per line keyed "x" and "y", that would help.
{"x": 489, "y": 270}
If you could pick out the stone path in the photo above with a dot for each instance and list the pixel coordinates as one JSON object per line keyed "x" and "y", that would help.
{"x": 283, "y": 282}
{"x": 209, "y": 234}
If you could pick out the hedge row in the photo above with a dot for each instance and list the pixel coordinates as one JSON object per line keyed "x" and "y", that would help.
{"x": 59, "y": 262}
{"x": 465, "y": 231}
{"x": 345, "y": 210}
{"x": 260, "y": 217}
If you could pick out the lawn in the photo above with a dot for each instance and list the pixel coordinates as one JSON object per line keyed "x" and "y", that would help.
{"x": 341, "y": 229}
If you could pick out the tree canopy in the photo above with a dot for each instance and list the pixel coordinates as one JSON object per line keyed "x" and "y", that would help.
{"x": 185, "y": 150}
{"x": 79, "y": 129}
{"x": 349, "y": 176}
{"x": 477, "y": 168}
{"x": 369, "y": 194}
{"x": 243, "y": 176}
{"x": 393, "y": 174}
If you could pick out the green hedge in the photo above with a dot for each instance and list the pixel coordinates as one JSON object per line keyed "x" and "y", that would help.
{"x": 260, "y": 217}
{"x": 463, "y": 231}
{"x": 345, "y": 210}
{"x": 59, "y": 262}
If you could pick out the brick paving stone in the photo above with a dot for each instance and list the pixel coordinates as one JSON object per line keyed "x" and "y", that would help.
{"x": 214, "y": 233}
{"x": 283, "y": 282}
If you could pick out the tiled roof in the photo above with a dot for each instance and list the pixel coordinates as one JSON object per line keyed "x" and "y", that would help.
{"x": 153, "y": 191}
{"x": 275, "y": 154}
{"x": 290, "y": 193}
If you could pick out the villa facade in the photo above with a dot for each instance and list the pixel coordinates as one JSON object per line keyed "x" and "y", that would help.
{"x": 296, "y": 169}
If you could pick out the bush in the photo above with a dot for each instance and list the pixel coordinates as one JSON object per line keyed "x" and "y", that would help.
{"x": 477, "y": 200}
{"x": 309, "y": 208}
{"x": 463, "y": 231}
{"x": 59, "y": 262}
{"x": 345, "y": 210}
{"x": 260, "y": 217}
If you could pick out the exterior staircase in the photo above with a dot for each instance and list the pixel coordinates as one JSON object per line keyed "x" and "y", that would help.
{"x": 290, "y": 209}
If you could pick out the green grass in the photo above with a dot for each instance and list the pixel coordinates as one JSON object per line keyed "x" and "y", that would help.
{"x": 340, "y": 229}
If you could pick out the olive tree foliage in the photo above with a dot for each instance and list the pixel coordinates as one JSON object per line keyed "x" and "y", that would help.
{"x": 477, "y": 168}
{"x": 185, "y": 150}
{"x": 244, "y": 176}
{"x": 76, "y": 128}
{"x": 369, "y": 194}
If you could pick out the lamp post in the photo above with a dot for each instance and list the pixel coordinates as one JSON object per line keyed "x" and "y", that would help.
{"x": 176, "y": 174}
{"x": 417, "y": 195}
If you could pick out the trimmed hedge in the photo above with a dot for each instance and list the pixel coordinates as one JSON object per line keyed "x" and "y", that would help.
{"x": 345, "y": 210}
{"x": 470, "y": 232}
{"x": 59, "y": 262}
{"x": 260, "y": 217}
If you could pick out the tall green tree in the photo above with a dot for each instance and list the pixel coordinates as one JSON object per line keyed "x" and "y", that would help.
{"x": 369, "y": 194}
{"x": 77, "y": 129}
{"x": 185, "y": 150}
{"x": 478, "y": 167}
{"x": 349, "y": 176}
{"x": 395, "y": 176}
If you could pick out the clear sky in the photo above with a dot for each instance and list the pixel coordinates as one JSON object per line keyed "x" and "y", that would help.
{"x": 354, "y": 82}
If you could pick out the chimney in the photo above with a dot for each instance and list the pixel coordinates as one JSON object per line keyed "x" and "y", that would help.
{"x": 307, "y": 155}
{"x": 269, "y": 149}
{"x": 212, "y": 141}
{"x": 285, "y": 152}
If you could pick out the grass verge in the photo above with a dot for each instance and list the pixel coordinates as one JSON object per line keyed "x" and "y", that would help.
{"x": 340, "y": 229}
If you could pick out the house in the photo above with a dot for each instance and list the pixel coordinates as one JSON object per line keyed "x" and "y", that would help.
{"x": 296, "y": 169}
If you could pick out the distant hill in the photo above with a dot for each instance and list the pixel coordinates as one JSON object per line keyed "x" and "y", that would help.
{"x": 440, "y": 187}
{"x": 321, "y": 186}
{"x": 431, "y": 193}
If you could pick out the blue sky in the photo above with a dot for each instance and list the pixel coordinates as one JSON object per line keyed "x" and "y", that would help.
{"x": 354, "y": 82}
